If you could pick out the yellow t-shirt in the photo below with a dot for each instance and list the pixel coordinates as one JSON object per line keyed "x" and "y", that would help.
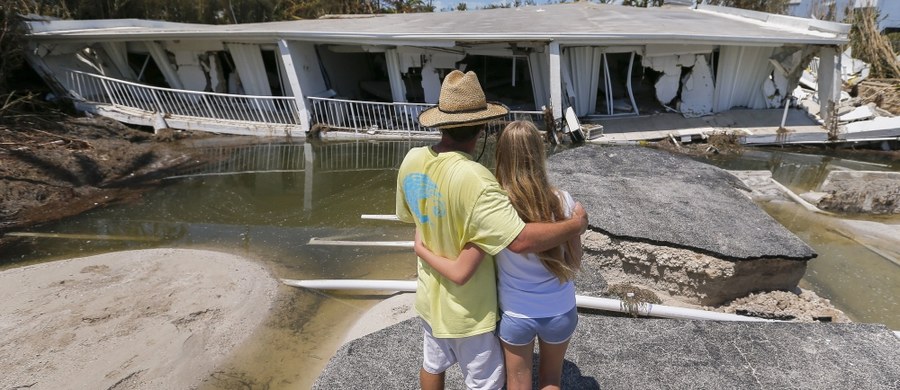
{"x": 454, "y": 200}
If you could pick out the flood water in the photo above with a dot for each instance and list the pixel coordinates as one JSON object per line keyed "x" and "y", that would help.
{"x": 859, "y": 274}
{"x": 266, "y": 201}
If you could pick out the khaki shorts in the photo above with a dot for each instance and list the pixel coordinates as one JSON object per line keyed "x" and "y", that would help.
{"x": 480, "y": 358}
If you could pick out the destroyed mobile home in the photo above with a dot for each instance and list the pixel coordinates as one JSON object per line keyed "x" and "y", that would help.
{"x": 372, "y": 74}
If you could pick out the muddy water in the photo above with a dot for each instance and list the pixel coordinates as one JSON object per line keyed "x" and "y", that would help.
{"x": 857, "y": 270}
{"x": 266, "y": 201}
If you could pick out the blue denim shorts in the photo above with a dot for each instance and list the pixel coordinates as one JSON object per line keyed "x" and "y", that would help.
{"x": 551, "y": 330}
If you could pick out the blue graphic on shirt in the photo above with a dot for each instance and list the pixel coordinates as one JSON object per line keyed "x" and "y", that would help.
{"x": 418, "y": 188}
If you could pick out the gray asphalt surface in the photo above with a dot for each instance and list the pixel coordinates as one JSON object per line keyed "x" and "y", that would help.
{"x": 626, "y": 353}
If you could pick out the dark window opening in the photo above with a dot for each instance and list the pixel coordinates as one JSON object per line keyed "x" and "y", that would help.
{"x": 504, "y": 79}
{"x": 146, "y": 70}
{"x": 354, "y": 74}
{"x": 273, "y": 72}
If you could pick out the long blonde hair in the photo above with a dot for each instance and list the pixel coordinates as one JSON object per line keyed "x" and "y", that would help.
{"x": 522, "y": 172}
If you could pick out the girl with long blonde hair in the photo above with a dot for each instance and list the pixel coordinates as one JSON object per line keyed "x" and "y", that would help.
{"x": 535, "y": 290}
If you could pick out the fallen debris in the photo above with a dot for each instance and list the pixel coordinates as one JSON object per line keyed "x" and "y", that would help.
{"x": 862, "y": 192}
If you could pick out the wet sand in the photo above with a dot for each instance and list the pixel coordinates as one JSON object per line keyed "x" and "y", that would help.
{"x": 162, "y": 318}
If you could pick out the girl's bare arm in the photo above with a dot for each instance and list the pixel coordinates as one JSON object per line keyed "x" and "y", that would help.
{"x": 458, "y": 271}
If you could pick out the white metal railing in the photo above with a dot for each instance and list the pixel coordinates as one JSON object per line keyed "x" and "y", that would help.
{"x": 363, "y": 116}
{"x": 333, "y": 113}
{"x": 101, "y": 89}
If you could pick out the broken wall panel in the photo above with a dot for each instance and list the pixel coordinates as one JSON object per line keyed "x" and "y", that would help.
{"x": 697, "y": 89}
{"x": 188, "y": 63}
{"x": 668, "y": 82}
{"x": 686, "y": 81}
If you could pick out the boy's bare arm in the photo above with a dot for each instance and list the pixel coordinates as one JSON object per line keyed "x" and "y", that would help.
{"x": 541, "y": 236}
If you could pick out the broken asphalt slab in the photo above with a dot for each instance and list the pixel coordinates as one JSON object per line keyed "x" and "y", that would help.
{"x": 659, "y": 197}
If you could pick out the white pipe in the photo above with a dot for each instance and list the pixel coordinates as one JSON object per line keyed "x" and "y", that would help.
{"x": 651, "y": 310}
{"x": 582, "y": 301}
{"x": 798, "y": 199}
{"x": 383, "y": 217}
{"x": 399, "y": 244}
{"x": 354, "y": 284}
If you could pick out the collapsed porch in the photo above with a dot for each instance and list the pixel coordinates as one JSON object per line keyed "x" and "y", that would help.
{"x": 272, "y": 116}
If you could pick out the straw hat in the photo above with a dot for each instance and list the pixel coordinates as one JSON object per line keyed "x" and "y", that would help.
{"x": 462, "y": 103}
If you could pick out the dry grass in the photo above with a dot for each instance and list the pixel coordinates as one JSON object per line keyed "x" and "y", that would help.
{"x": 870, "y": 45}
{"x": 885, "y": 93}
{"x": 634, "y": 299}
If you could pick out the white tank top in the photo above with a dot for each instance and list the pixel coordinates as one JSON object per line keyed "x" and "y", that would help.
{"x": 526, "y": 289}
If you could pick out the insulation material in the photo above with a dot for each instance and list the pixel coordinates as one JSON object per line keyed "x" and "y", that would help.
{"x": 789, "y": 63}
{"x": 774, "y": 89}
{"x": 787, "y": 60}
{"x": 581, "y": 73}
{"x": 741, "y": 74}
{"x": 667, "y": 85}
{"x": 697, "y": 90}
{"x": 250, "y": 67}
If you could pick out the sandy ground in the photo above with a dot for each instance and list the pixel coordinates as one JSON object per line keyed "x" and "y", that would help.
{"x": 393, "y": 310}
{"x": 161, "y": 319}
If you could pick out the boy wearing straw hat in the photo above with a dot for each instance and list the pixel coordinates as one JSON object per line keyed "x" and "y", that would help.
{"x": 455, "y": 201}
